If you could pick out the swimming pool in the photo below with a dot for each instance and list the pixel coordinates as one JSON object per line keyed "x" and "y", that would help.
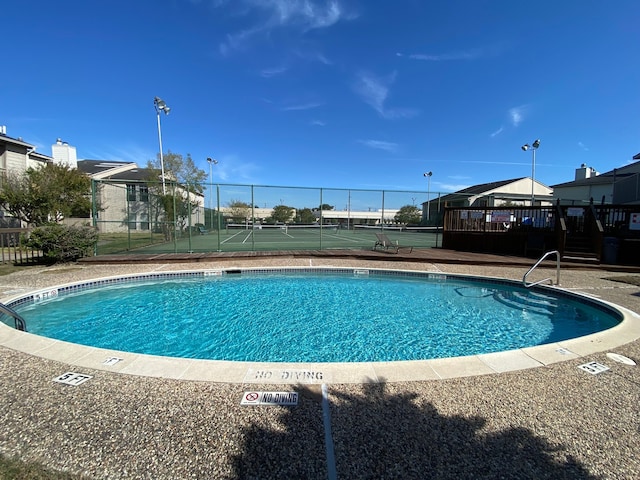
{"x": 310, "y": 315}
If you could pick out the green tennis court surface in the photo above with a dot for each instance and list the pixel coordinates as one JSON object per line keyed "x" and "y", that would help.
{"x": 275, "y": 237}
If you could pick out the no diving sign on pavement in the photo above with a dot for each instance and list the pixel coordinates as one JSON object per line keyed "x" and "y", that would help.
{"x": 269, "y": 398}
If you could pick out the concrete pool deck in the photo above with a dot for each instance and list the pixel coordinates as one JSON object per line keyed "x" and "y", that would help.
{"x": 461, "y": 418}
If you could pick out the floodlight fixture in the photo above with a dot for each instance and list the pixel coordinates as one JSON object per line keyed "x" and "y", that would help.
{"x": 533, "y": 147}
{"x": 428, "y": 175}
{"x": 212, "y": 161}
{"x": 161, "y": 106}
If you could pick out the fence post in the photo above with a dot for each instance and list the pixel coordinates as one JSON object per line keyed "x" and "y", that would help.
{"x": 189, "y": 213}
{"x": 321, "y": 220}
{"x": 382, "y": 218}
{"x": 218, "y": 215}
{"x": 128, "y": 222}
{"x": 175, "y": 221}
{"x": 94, "y": 210}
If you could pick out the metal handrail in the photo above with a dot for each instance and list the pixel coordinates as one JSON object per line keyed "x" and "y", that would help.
{"x": 553, "y": 252}
{"x": 19, "y": 321}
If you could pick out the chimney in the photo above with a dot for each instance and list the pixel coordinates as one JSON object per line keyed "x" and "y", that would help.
{"x": 63, "y": 153}
{"x": 585, "y": 172}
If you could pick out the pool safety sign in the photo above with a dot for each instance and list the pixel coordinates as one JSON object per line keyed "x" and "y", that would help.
{"x": 269, "y": 398}
{"x": 72, "y": 378}
{"x": 593, "y": 368}
{"x": 112, "y": 361}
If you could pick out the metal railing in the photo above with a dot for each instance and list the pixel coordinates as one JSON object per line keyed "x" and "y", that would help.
{"x": 543, "y": 258}
{"x": 20, "y": 323}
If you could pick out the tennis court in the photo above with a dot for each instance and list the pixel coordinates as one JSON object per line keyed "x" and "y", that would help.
{"x": 236, "y": 238}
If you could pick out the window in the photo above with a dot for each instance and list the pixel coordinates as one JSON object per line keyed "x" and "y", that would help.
{"x": 131, "y": 193}
{"x": 144, "y": 193}
{"x": 144, "y": 221}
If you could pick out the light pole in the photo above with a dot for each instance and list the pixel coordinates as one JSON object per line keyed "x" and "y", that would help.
{"x": 534, "y": 146}
{"x": 161, "y": 106}
{"x": 428, "y": 175}
{"x": 211, "y": 163}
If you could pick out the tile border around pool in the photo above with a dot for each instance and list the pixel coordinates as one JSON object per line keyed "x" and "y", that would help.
{"x": 94, "y": 358}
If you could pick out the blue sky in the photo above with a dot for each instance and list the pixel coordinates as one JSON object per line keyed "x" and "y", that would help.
{"x": 339, "y": 93}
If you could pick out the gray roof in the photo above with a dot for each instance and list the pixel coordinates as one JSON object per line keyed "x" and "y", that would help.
{"x": 93, "y": 167}
{"x": 606, "y": 178}
{"x": 15, "y": 141}
{"x": 485, "y": 187}
{"x": 29, "y": 148}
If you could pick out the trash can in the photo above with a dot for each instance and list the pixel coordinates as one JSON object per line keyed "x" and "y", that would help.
{"x": 610, "y": 250}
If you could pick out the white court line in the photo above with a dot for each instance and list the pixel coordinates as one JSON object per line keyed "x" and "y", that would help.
{"x": 341, "y": 237}
{"x": 231, "y": 237}
{"x": 334, "y": 235}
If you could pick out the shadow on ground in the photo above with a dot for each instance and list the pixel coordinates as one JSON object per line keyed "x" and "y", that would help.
{"x": 378, "y": 435}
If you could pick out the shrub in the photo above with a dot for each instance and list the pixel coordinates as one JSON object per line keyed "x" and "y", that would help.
{"x": 63, "y": 243}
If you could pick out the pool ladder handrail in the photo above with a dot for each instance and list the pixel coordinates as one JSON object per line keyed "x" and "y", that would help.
{"x": 547, "y": 254}
{"x": 19, "y": 321}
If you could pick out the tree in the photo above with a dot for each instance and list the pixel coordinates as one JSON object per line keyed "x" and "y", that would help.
{"x": 178, "y": 169}
{"x": 305, "y": 215}
{"x": 326, "y": 206}
{"x": 184, "y": 181}
{"x": 282, "y": 213}
{"x": 408, "y": 215}
{"x": 239, "y": 210}
{"x": 47, "y": 194}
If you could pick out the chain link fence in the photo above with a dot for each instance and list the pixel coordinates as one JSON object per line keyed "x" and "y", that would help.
{"x": 136, "y": 217}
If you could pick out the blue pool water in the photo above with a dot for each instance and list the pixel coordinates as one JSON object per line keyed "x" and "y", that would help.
{"x": 313, "y": 318}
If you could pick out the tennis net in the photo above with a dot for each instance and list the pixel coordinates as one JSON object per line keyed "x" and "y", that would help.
{"x": 285, "y": 228}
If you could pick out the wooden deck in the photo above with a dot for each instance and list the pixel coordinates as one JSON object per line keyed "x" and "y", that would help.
{"x": 426, "y": 255}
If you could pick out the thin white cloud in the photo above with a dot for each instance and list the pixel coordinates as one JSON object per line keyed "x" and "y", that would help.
{"x": 318, "y": 123}
{"x": 374, "y": 91}
{"x": 300, "y": 15}
{"x": 312, "y": 56}
{"x": 452, "y": 187}
{"x": 497, "y": 132}
{"x": 232, "y": 167}
{"x": 237, "y": 41}
{"x": 273, "y": 72}
{"x": 302, "y": 106}
{"x": 495, "y": 163}
{"x": 517, "y": 114}
{"x": 380, "y": 145}
{"x": 583, "y": 146}
{"x": 129, "y": 154}
{"x": 471, "y": 54}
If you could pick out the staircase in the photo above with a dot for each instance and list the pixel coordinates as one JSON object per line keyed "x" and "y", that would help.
{"x": 531, "y": 301}
{"x": 579, "y": 248}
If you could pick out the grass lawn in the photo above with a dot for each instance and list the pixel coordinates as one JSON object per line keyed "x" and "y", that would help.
{"x": 122, "y": 242}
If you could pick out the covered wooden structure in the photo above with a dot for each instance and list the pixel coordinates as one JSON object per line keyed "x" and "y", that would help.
{"x": 596, "y": 233}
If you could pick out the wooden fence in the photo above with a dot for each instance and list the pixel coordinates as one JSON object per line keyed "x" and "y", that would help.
{"x": 608, "y": 233}
{"x": 13, "y": 248}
